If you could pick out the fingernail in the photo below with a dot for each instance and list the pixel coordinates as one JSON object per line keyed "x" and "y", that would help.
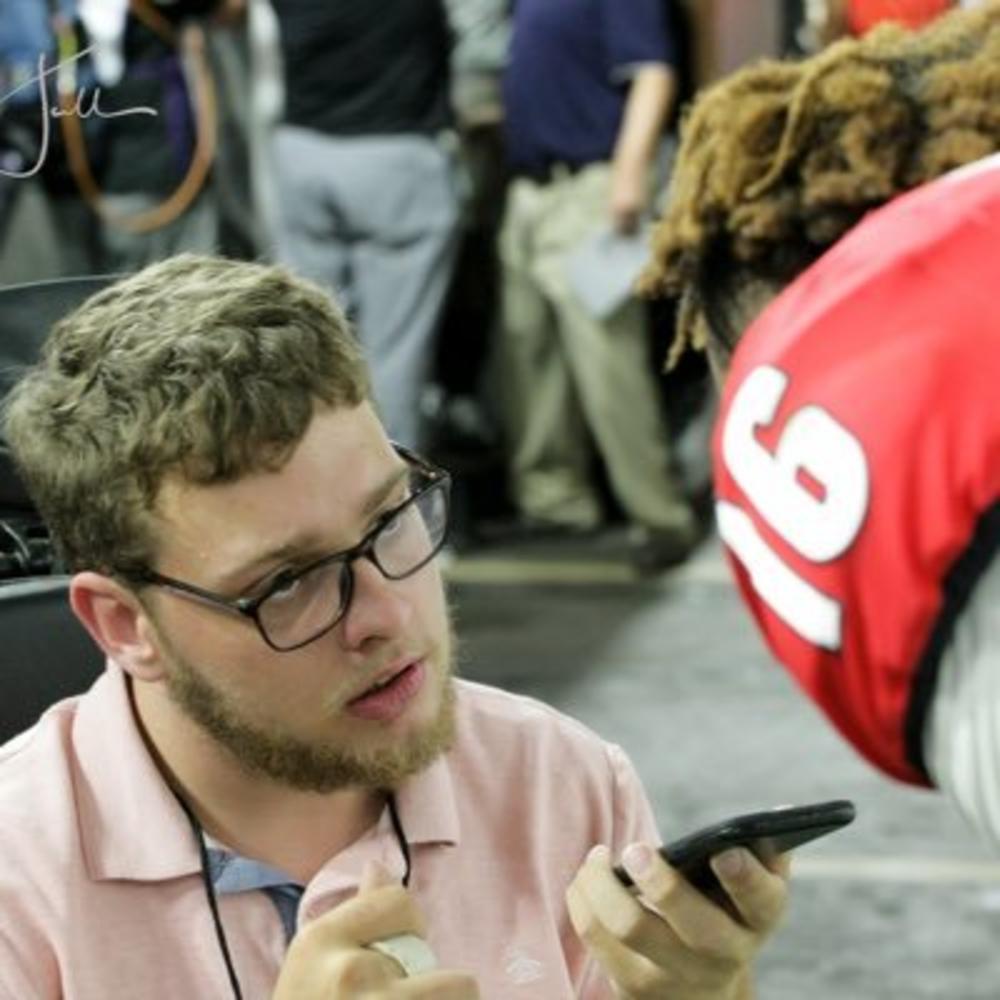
{"x": 730, "y": 864}
{"x": 638, "y": 860}
{"x": 599, "y": 853}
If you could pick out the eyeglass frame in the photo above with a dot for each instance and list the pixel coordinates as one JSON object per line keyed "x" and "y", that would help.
{"x": 249, "y": 607}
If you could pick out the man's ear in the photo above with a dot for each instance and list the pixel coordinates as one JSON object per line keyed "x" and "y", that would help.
{"x": 118, "y": 623}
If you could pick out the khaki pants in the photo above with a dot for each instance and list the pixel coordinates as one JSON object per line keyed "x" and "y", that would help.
{"x": 567, "y": 376}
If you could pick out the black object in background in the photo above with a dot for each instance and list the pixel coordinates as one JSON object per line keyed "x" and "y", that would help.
{"x": 27, "y": 313}
{"x": 46, "y": 655}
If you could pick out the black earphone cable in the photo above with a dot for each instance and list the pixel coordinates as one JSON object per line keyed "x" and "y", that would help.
{"x": 213, "y": 902}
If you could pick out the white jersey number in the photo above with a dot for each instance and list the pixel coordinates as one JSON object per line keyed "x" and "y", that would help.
{"x": 820, "y": 524}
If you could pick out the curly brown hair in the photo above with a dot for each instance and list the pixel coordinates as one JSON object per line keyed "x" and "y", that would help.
{"x": 200, "y": 366}
{"x": 780, "y": 159}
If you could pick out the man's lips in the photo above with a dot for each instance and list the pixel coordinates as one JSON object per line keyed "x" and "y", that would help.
{"x": 383, "y": 678}
{"x": 387, "y": 700}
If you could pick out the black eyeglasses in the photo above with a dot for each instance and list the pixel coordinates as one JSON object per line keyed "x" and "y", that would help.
{"x": 300, "y": 605}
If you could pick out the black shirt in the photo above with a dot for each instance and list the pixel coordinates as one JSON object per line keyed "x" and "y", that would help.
{"x": 365, "y": 67}
{"x": 143, "y": 153}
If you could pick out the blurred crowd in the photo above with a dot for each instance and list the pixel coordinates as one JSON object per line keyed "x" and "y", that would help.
{"x": 475, "y": 180}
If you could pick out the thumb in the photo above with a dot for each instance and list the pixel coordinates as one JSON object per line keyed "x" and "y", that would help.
{"x": 375, "y": 876}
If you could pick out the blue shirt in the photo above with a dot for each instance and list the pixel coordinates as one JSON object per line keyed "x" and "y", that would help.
{"x": 232, "y": 873}
{"x": 567, "y": 79}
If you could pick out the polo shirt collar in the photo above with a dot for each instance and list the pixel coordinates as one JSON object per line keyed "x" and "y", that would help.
{"x": 131, "y": 825}
{"x": 427, "y": 807}
{"x": 133, "y": 828}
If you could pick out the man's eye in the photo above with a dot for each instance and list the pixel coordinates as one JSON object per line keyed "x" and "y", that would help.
{"x": 283, "y": 586}
{"x": 389, "y": 520}
{"x": 390, "y": 526}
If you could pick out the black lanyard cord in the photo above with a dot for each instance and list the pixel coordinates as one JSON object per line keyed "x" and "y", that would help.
{"x": 404, "y": 847}
{"x": 213, "y": 902}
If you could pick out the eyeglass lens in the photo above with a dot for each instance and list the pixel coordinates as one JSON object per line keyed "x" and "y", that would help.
{"x": 313, "y": 601}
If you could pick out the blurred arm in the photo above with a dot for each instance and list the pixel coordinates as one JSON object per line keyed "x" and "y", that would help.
{"x": 650, "y": 100}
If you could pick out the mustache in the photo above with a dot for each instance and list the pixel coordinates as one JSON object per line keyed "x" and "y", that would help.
{"x": 364, "y": 677}
{"x": 440, "y": 655}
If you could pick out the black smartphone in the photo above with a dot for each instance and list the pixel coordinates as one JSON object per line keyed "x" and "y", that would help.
{"x": 767, "y": 834}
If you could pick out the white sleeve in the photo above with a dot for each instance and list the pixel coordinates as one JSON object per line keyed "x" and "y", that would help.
{"x": 962, "y": 736}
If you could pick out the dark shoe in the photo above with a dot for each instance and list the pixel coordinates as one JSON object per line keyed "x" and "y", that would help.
{"x": 652, "y": 551}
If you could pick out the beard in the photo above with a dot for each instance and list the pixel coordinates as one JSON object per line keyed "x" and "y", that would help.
{"x": 312, "y": 766}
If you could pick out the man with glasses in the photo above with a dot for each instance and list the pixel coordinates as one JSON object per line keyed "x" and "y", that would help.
{"x": 277, "y": 788}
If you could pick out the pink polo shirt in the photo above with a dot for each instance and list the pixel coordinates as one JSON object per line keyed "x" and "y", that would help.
{"x": 100, "y": 894}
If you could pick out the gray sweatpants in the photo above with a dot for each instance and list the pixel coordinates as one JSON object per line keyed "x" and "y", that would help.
{"x": 375, "y": 219}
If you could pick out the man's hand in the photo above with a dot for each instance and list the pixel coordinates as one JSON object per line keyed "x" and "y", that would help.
{"x": 330, "y": 958}
{"x": 628, "y": 197}
{"x": 671, "y": 941}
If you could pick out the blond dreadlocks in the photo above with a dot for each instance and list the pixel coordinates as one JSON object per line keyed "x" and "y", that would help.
{"x": 780, "y": 159}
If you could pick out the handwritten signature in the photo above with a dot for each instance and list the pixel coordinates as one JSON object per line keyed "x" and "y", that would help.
{"x": 80, "y": 107}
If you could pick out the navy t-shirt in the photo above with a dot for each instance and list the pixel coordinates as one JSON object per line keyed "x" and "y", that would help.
{"x": 567, "y": 79}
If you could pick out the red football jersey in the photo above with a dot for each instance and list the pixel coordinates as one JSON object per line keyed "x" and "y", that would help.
{"x": 857, "y": 458}
{"x": 865, "y": 14}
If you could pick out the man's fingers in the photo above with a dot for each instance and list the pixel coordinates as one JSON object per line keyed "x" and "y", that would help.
{"x": 780, "y": 864}
{"x": 332, "y": 956}
{"x": 375, "y": 875}
{"x": 759, "y": 893}
{"x": 358, "y": 971}
{"x": 430, "y": 986}
{"x": 701, "y": 925}
{"x": 370, "y": 916}
{"x": 631, "y": 971}
{"x": 620, "y": 911}
{"x": 667, "y": 937}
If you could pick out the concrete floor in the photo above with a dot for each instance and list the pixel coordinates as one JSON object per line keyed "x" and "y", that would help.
{"x": 903, "y": 905}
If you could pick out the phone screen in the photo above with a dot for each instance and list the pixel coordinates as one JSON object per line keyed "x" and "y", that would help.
{"x": 767, "y": 834}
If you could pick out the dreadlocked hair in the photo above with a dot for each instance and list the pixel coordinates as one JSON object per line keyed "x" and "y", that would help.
{"x": 780, "y": 159}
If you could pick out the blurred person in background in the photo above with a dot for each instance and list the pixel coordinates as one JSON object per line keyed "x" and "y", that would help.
{"x": 155, "y": 190}
{"x": 857, "y": 456}
{"x": 124, "y": 141}
{"x": 460, "y": 414}
{"x": 588, "y": 89}
{"x": 366, "y": 172}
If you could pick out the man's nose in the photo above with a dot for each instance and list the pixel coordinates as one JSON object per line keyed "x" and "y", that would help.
{"x": 379, "y": 608}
